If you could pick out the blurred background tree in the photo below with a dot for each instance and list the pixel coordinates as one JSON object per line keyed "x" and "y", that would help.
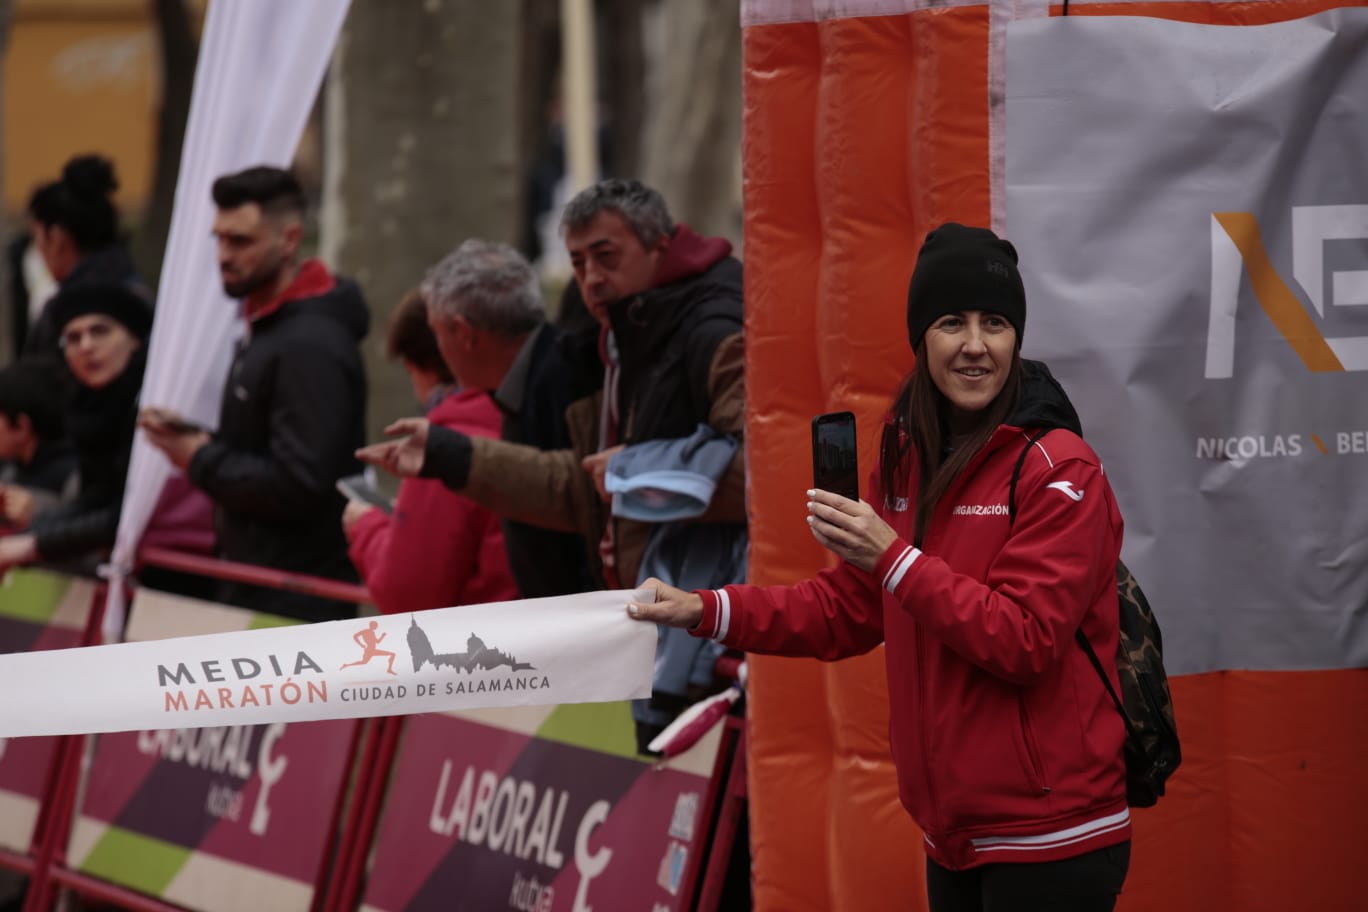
{"x": 178, "y": 41}
{"x": 420, "y": 151}
{"x": 6, "y": 324}
{"x": 439, "y": 120}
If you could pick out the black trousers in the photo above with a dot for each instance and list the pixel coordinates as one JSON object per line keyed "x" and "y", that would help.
{"x": 1086, "y": 883}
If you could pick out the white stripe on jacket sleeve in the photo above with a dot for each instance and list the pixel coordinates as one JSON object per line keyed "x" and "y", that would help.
{"x": 723, "y": 614}
{"x": 899, "y": 569}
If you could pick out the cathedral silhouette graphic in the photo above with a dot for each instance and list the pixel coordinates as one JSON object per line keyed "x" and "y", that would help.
{"x": 476, "y": 656}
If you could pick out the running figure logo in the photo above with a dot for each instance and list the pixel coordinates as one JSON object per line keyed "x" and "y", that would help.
{"x": 370, "y": 646}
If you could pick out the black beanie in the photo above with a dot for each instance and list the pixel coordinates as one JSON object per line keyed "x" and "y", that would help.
{"x": 110, "y": 299}
{"x": 961, "y": 268}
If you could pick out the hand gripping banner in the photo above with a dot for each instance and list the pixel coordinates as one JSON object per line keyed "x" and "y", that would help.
{"x": 573, "y": 649}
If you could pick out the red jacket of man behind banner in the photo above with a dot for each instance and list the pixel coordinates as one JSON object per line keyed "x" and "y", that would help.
{"x": 439, "y": 548}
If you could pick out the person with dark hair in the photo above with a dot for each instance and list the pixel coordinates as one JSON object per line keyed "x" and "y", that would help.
{"x": 293, "y": 408}
{"x": 275, "y": 191}
{"x": 439, "y": 548}
{"x": 75, "y": 228}
{"x": 410, "y": 342}
{"x": 1009, "y": 753}
{"x": 104, "y": 330}
{"x": 37, "y": 462}
{"x": 668, "y": 305}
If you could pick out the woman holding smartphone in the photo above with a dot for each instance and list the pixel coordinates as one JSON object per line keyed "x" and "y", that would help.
{"x": 1007, "y": 746}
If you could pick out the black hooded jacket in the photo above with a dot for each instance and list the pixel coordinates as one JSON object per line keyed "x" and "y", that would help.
{"x": 101, "y": 423}
{"x": 668, "y": 338}
{"x": 1043, "y": 403}
{"x": 293, "y": 414}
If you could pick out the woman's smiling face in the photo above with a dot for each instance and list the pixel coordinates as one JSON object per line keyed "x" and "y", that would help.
{"x": 969, "y": 356}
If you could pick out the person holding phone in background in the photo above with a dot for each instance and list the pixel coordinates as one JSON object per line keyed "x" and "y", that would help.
{"x": 439, "y": 548}
{"x": 293, "y": 407}
{"x": 1007, "y": 747}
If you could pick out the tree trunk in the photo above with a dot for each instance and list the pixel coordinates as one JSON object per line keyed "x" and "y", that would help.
{"x": 692, "y": 148}
{"x": 540, "y": 159}
{"x": 8, "y": 319}
{"x": 624, "y": 72}
{"x": 420, "y": 152}
{"x": 179, "y": 53}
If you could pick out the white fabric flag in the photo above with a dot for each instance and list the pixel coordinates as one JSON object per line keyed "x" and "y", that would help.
{"x": 535, "y": 652}
{"x": 1190, "y": 203}
{"x": 260, "y": 65}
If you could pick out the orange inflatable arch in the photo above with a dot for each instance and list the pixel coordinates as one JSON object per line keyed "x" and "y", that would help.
{"x": 866, "y": 123}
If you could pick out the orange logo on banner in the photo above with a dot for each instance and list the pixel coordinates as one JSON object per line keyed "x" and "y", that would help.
{"x": 1277, "y": 300}
{"x": 370, "y": 648}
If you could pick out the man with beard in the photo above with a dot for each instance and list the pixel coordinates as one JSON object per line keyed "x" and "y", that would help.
{"x": 293, "y": 408}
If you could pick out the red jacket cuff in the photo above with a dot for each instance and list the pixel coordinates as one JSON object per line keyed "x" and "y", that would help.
{"x": 891, "y": 568}
{"x": 710, "y": 625}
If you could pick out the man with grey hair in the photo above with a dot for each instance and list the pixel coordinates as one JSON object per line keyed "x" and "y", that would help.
{"x": 669, "y": 304}
{"x": 485, "y": 308}
{"x": 483, "y": 301}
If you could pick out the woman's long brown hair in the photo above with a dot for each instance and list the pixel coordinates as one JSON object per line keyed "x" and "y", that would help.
{"x": 920, "y": 424}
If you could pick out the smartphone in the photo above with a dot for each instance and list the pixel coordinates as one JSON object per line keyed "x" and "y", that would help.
{"x": 182, "y": 426}
{"x": 363, "y": 489}
{"x": 834, "y": 461}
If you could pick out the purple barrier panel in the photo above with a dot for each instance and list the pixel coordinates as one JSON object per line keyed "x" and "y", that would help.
{"x": 537, "y": 809}
{"x": 229, "y": 819}
{"x": 38, "y": 610}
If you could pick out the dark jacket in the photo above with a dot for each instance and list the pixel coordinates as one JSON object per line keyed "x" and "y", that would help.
{"x": 682, "y": 365}
{"x": 53, "y": 466}
{"x": 101, "y": 424}
{"x": 546, "y": 563}
{"x": 293, "y": 414}
{"x": 668, "y": 338}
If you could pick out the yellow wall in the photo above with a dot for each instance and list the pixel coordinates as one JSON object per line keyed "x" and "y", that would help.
{"x": 80, "y": 76}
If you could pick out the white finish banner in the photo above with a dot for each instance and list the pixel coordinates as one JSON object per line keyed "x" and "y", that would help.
{"x": 535, "y": 652}
{"x": 1191, "y": 207}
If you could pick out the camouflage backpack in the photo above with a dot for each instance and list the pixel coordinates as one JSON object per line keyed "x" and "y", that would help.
{"x": 1145, "y": 705}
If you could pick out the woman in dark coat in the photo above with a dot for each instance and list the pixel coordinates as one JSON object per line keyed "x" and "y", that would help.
{"x": 103, "y": 332}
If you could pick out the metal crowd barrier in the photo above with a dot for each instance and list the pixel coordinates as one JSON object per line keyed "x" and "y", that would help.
{"x": 340, "y": 883}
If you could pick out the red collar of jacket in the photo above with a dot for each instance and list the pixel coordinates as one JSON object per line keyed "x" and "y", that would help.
{"x": 312, "y": 280}
{"x": 689, "y": 254}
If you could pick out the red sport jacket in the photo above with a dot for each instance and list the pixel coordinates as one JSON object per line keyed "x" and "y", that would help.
{"x": 1007, "y": 746}
{"x": 440, "y": 548}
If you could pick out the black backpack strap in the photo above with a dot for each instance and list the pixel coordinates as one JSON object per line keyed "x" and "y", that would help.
{"x": 1078, "y": 634}
{"x": 1016, "y": 474}
{"x": 1106, "y": 681}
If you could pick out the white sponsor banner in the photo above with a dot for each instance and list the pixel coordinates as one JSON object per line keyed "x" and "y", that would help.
{"x": 571, "y": 649}
{"x": 1190, "y": 203}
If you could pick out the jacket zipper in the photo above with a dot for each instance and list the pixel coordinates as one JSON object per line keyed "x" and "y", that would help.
{"x": 1036, "y": 773}
{"x": 925, "y": 732}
